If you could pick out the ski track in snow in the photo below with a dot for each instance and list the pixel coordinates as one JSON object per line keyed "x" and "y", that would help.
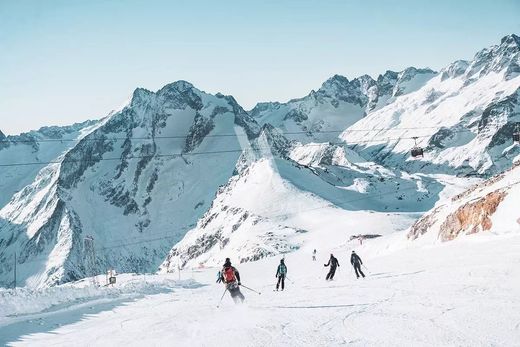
{"x": 416, "y": 296}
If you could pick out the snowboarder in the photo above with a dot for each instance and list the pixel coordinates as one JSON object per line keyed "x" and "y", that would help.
{"x": 333, "y": 262}
{"x": 356, "y": 262}
{"x": 314, "y": 255}
{"x": 281, "y": 272}
{"x": 231, "y": 278}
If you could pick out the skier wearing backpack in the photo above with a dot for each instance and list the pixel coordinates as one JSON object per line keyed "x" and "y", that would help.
{"x": 231, "y": 278}
{"x": 281, "y": 272}
{"x": 356, "y": 262}
{"x": 333, "y": 262}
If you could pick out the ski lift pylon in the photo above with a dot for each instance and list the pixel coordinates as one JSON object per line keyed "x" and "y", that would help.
{"x": 416, "y": 150}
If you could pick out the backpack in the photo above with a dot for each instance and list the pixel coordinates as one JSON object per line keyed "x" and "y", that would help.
{"x": 282, "y": 269}
{"x": 229, "y": 274}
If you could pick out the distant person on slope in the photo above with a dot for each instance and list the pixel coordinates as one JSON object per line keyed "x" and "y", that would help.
{"x": 219, "y": 277}
{"x": 333, "y": 262}
{"x": 356, "y": 262}
{"x": 231, "y": 278}
{"x": 281, "y": 272}
{"x": 314, "y": 255}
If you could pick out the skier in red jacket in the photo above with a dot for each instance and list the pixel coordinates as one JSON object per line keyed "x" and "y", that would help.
{"x": 231, "y": 279}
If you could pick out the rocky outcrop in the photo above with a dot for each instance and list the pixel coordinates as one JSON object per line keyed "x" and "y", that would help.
{"x": 474, "y": 210}
{"x": 471, "y": 217}
{"x": 424, "y": 224}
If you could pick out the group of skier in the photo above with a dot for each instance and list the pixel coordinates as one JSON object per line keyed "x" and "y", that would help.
{"x": 230, "y": 276}
{"x": 355, "y": 260}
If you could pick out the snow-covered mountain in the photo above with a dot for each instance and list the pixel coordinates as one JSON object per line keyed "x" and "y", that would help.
{"x": 274, "y": 201}
{"x": 338, "y": 104}
{"x": 139, "y": 175}
{"x": 43, "y": 145}
{"x": 490, "y": 206}
{"x": 180, "y": 177}
{"x": 464, "y": 117}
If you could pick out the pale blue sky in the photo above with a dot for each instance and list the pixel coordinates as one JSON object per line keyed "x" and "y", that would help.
{"x": 68, "y": 61}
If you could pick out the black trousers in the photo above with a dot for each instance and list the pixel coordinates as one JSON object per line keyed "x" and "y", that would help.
{"x": 331, "y": 273}
{"x": 357, "y": 267}
{"x": 281, "y": 279}
{"x": 235, "y": 292}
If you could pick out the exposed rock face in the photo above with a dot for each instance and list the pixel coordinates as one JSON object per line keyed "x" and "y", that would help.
{"x": 423, "y": 225}
{"x": 471, "y": 217}
{"x": 475, "y": 210}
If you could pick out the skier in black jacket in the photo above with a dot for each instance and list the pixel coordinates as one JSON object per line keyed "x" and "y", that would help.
{"x": 333, "y": 262}
{"x": 231, "y": 278}
{"x": 356, "y": 262}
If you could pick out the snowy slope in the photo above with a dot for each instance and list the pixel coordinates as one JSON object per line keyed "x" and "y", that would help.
{"x": 420, "y": 297}
{"x": 136, "y": 177}
{"x": 338, "y": 104}
{"x": 464, "y": 118}
{"x": 273, "y": 203}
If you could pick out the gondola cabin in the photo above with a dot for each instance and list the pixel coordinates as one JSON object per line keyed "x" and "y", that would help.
{"x": 417, "y": 152}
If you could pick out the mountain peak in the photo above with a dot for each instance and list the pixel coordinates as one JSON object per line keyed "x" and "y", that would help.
{"x": 510, "y": 39}
{"x": 455, "y": 69}
{"x": 179, "y": 85}
{"x": 413, "y": 69}
{"x": 334, "y": 84}
{"x": 336, "y": 80}
{"x": 504, "y": 57}
{"x": 139, "y": 95}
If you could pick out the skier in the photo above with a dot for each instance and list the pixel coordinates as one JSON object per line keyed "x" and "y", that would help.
{"x": 231, "y": 278}
{"x": 314, "y": 255}
{"x": 219, "y": 277}
{"x": 281, "y": 272}
{"x": 356, "y": 262}
{"x": 333, "y": 262}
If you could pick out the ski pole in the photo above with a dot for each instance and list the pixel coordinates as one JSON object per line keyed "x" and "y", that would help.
{"x": 250, "y": 289}
{"x": 222, "y": 297}
{"x": 289, "y": 280}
